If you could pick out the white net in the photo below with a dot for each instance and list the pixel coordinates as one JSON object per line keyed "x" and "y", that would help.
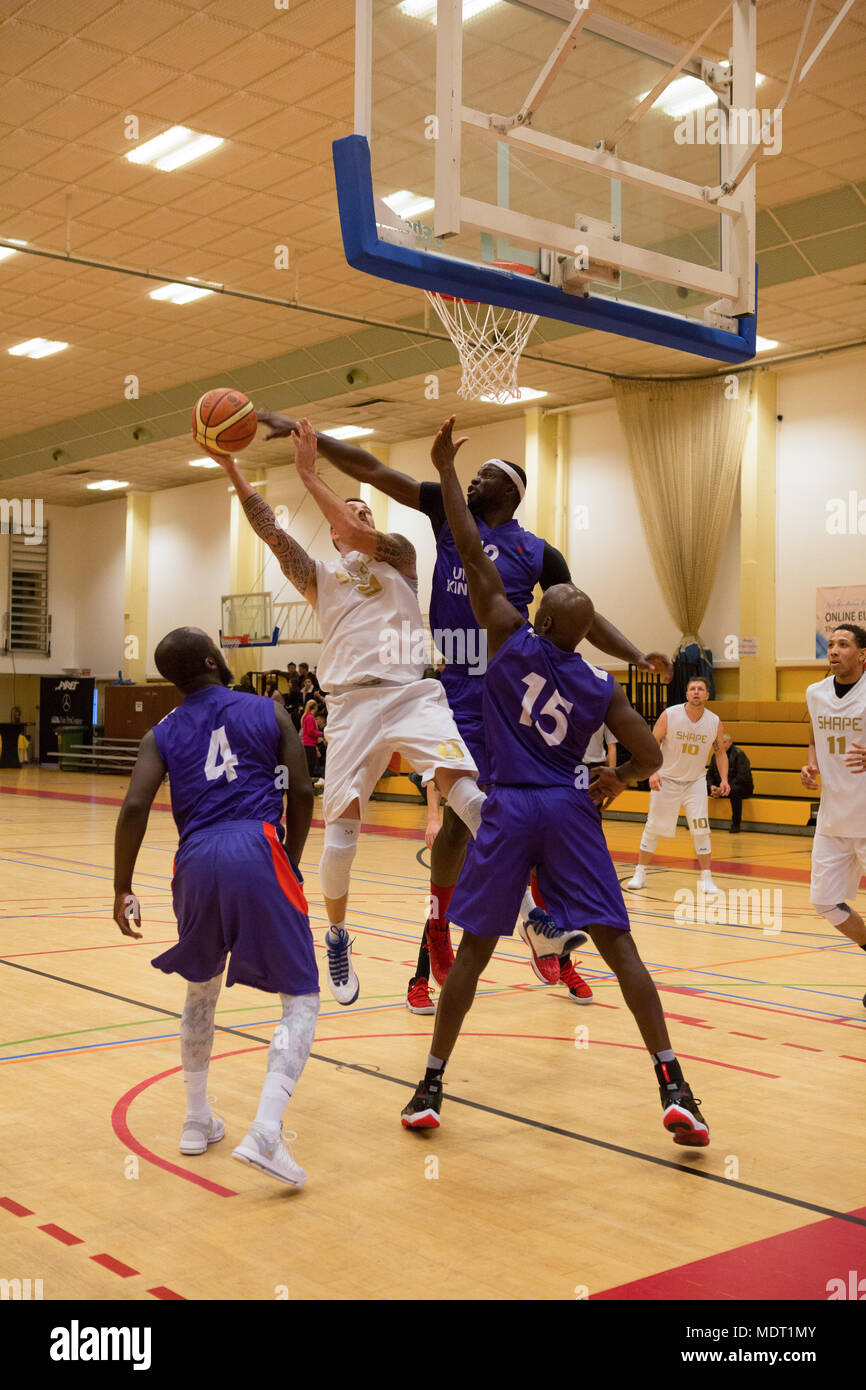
{"x": 489, "y": 341}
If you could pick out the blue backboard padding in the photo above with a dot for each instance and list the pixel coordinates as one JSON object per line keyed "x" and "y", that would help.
{"x": 428, "y": 270}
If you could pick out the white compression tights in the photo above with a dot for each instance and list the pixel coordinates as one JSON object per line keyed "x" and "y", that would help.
{"x": 287, "y": 1055}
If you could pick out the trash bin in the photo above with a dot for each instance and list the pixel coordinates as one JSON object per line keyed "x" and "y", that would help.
{"x": 70, "y": 737}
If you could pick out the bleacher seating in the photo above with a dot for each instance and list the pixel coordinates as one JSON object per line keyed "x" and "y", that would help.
{"x": 774, "y": 735}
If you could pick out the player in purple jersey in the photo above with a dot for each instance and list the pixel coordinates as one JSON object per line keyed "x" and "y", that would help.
{"x": 236, "y": 889}
{"x": 542, "y": 702}
{"x": 523, "y": 560}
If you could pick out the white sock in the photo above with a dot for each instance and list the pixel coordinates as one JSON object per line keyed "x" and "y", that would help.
{"x": 276, "y": 1094}
{"x": 197, "y": 1107}
{"x": 527, "y": 905}
{"x": 335, "y": 926}
{"x": 706, "y": 876}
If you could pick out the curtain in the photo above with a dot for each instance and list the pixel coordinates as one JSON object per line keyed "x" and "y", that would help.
{"x": 685, "y": 442}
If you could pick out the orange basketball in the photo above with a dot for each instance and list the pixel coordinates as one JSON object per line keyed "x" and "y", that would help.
{"x": 224, "y": 420}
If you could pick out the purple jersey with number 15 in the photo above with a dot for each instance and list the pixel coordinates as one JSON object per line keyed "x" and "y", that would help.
{"x": 541, "y": 707}
{"x": 221, "y": 750}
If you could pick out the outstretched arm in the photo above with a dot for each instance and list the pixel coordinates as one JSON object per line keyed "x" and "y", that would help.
{"x": 349, "y": 527}
{"x": 486, "y": 590}
{"x": 354, "y": 462}
{"x": 294, "y": 561}
{"x": 611, "y": 641}
{"x": 144, "y": 784}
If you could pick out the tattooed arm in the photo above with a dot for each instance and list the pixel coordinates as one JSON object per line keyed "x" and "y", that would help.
{"x": 353, "y": 527}
{"x": 294, "y": 561}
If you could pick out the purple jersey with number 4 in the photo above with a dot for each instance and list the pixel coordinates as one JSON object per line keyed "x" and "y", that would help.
{"x": 221, "y": 750}
{"x": 541, "y": 707}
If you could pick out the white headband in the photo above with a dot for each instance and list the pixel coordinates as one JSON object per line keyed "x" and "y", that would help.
{"x": 512, "y": 474}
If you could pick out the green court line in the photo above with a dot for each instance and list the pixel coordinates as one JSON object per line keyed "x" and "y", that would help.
{"x": 707, "y": 996}
{"x": 136, "y": 1023}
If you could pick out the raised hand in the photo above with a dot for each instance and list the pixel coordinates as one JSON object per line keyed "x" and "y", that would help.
{"x": 306, "y": 447}
{"x": 280, "y": 426}
{"x": 445, "y": 448}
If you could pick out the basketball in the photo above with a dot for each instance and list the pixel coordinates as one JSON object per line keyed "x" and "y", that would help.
{"x": 224, "y": 420}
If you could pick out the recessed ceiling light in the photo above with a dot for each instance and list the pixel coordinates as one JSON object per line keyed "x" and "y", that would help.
{"x": 106, "y": 485}
{"x": 684, "y": 94}
{"x": 179, "y": 294}
{"x": 6, "y": 251}
{"x": 426, "y": 9}
{"x": 203, "y": 463}
{"x": 525, "y": 393}
{"x": 347, "y": 432}
{"x": 764, "y": 344}
{"x": 407, "y": 204}
{"x": 37, "y": 347}
{"x": 173, "y": 147}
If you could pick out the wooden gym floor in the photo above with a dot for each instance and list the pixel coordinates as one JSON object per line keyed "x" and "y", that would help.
{"x": 551, "y": 1177}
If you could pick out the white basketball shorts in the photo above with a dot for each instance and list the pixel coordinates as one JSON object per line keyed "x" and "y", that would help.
{"x": 837, "y": 863}
{"x": 367, "y": 725}
{"x": 664, "y": 807}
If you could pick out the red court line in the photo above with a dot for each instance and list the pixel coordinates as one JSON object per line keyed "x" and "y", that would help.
{"x": 125, "y": 1135}
{"x": 120, "y": 1112}
{"x": 75, "y": 796}
{"x": 761, "y": 1008}
{"x": 124, "y": 1271}
{"x": 15, "y": 1207}
{"x": 65, "y": 1237}
{"x": 670, "y": 861}
{"x": 849, "y": 1058}
{"x": 757, "y": 1036}
{"x": 112, "y": 946}
{"x": 797, "y": 1264}
{"x": 802, "y": 1047}
{"x": 116, "y": 1266}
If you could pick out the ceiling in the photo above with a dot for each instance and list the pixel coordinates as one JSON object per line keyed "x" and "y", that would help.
{"x": 278, "y": 86}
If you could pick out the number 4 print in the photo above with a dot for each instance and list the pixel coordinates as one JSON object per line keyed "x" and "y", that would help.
{"x": 556, "y": 708}
{"x": 219, "y": 747}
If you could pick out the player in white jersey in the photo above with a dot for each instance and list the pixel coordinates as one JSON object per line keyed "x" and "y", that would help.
{"x": 837, "y": 711}
{"x": 372, "y": 666}
{"x": 688, "y": 734}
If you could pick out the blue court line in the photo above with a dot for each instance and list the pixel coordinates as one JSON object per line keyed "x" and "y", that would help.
{"x": 80, "y": 873}
{"x": 225, "y": 1030}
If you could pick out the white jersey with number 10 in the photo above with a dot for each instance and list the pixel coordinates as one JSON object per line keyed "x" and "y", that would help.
{"x": 688, "y": 743}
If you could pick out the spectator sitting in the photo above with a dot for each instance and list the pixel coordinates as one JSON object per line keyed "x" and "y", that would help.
{"x": 739, "y": 779}
{"x": 305, "y": 674}
{"x": 293, "y": 701}
{"x": 272, "y": 692}
{"x": 245, "y": 684}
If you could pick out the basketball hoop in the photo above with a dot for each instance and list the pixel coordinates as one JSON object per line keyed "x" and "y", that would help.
{"x": 247, "y": 641}
{"x": 488, "y": 339}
